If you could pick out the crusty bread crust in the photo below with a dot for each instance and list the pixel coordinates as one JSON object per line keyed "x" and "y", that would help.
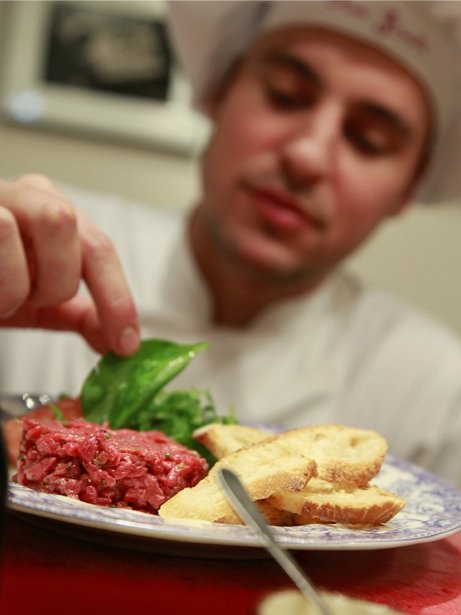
{"x": 273, "y": 515}
{"x": 265, "y": 468}
{"x": 323, "y": 502}
{"x": 344, "y": 455}
{"x": 331, "y": 485}
{"x": 221, "y": 439}
{"x": 352, "y": 501}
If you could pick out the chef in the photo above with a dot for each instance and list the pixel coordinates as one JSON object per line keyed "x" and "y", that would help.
{"x": 327, "y": 120}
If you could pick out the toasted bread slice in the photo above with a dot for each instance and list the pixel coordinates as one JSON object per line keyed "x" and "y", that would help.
{"x": 324, "y": 502}
{"x": 273, "y": 515}
{"x": 285, "y": 462}
{"x": 265, "y": 468}
{"x": 321, "y": 501}
{"x": 344, "y": 455}
{"x": 221, "y": 440}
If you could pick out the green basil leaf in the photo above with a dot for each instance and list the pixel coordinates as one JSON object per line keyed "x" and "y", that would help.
{"x": 179, "y": 413}
{"x": 119, "y": 388}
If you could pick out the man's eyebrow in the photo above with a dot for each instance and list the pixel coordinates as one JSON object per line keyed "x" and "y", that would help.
{"x": 286, "y": 60}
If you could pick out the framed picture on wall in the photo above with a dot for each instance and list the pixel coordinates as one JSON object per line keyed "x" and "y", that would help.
{"x": 100, "y": 69}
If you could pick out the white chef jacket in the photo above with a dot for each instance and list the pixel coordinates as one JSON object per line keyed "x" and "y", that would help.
{"x": 344, "y": 353}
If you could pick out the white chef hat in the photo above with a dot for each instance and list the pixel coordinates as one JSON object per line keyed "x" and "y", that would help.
{"x": 424, "y": 36}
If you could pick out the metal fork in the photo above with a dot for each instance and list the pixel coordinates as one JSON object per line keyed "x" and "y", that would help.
{"x": 13, "y": 406}
{"x": 249, "y": 512}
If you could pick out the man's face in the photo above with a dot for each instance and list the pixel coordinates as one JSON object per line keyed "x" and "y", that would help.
{"x": 317, "y": 139}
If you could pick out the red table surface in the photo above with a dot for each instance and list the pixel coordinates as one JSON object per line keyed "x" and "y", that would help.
{"x": 46, "y": 572}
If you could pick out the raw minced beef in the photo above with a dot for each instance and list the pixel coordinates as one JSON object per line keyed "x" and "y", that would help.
{"x": 121, "y": 468}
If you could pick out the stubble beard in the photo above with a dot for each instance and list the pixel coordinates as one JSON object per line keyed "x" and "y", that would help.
{"x": 233, "y": 254}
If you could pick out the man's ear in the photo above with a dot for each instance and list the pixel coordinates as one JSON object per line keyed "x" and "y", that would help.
{"x": 422, "y": 170}
{"x": 408, "y": 196}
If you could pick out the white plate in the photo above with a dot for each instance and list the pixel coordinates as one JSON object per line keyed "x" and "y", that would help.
{"x": 433, "y": 512}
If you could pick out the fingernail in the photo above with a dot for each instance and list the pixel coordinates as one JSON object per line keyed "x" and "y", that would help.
{"x": 128, "y": 342}
{"x": 8, "y": 314}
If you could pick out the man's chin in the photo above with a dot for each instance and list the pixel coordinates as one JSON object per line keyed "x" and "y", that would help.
{"x": 275, "y": 268}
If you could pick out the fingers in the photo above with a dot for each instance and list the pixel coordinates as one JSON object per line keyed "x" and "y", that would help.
{"x": 43, "y": 247}
{"x": 14, "y": 277}
{"x": 47, "y": 248}
{"x": 54, "y": 253}
{"x": 109, "y": 289}
{"x": 78, "y": 315}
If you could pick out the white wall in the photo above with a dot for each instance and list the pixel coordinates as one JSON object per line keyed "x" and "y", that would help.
{"x": 142, "y": 174}
{"x": 137, "y": 171}
{"x": 416, "y": 256}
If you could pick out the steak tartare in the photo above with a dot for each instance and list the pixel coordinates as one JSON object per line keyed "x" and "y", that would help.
{"x": 121, "y": 468}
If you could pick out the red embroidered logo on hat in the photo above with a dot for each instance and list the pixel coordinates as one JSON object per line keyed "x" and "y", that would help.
{"x": 389, "y": 23}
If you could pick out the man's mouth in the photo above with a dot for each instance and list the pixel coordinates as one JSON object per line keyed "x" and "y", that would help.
{"x": 281, "y": 210}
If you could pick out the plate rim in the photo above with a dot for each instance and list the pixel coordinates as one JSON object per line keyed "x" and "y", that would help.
{"x": 204, "y": 532}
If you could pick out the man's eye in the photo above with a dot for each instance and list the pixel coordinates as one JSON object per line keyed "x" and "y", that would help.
{"x": 370, "y": 141}
{"x": 373, "y": 136}
{"x": 288, "y": 99}
{"x": 282, "y": 99}
{"x": 365, "y": 145}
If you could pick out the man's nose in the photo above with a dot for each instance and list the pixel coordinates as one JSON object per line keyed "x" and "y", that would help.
{"x": 308, "y": 154}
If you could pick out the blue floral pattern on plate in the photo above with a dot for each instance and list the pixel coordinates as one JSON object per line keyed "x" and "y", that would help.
{"x": 433, "y": 512}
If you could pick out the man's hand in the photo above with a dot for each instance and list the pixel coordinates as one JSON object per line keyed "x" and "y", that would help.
{"x": 47, "y": 247}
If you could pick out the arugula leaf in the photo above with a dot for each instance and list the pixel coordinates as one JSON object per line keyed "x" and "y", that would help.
{"x": 119, "y": 388}
{"x": 179, "y": 413}
{"x": 58, "y": 415}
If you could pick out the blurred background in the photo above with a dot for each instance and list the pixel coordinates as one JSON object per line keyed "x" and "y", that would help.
{"x": 90, "y": 96}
